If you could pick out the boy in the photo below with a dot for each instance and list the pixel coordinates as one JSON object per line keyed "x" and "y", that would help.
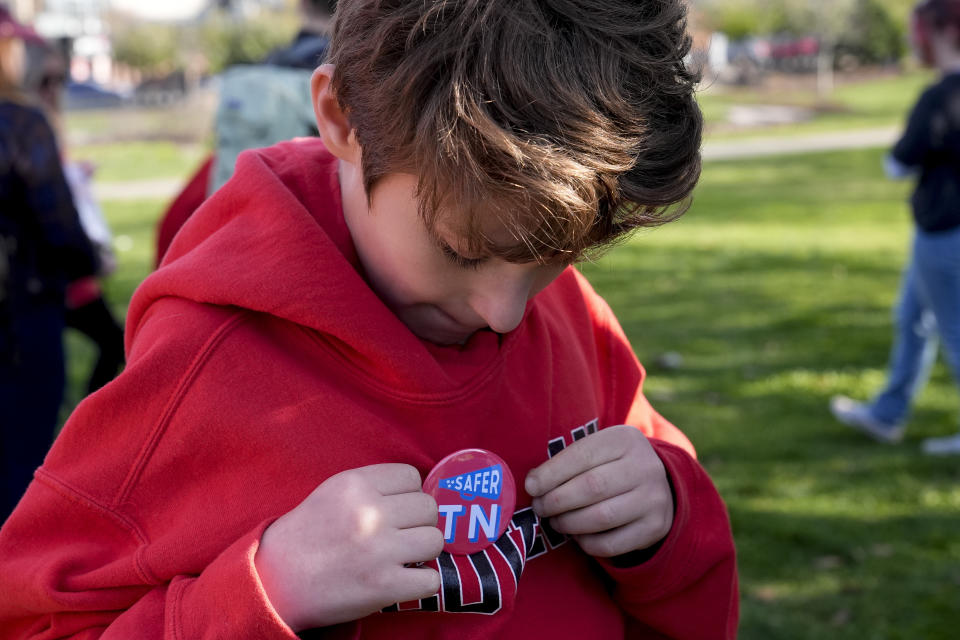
{"x": 930, "y": 293}
{"x": 344, "y": 314}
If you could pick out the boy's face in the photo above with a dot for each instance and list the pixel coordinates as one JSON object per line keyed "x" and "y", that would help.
{"x": 442, "y": 295}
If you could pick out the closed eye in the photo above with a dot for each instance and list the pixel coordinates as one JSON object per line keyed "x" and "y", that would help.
{"x": 459, "y": 260}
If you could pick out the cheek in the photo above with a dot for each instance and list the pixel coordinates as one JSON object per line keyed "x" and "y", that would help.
{"x": 405, "y": 273}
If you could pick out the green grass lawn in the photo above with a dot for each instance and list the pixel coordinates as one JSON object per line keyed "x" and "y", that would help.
{"x": 776, "y": 288}
{"x": 139, "y": 160}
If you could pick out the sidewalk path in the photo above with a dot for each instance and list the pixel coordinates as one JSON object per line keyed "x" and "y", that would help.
{"x": 167, "y": 188}
{"x": 807, "y": 143}
{"x": 158, "y": 189}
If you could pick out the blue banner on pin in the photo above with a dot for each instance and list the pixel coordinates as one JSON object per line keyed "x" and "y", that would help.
{"x": 486, "y": 483}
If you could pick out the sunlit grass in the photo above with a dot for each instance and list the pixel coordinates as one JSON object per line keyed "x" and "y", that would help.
{"x": 118, "y": 161}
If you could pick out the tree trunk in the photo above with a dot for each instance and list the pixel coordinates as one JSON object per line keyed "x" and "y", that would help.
{"x": 825, "y": 72}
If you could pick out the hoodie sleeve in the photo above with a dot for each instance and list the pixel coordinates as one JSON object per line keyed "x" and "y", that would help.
{"x": 72, "y": 568}
{"x": 687, "y": 589}
{"x": 80, "y": 558}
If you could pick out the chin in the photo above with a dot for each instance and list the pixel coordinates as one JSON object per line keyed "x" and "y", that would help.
{"x": 445, "y": 341}
{"x": 431, "y": 324}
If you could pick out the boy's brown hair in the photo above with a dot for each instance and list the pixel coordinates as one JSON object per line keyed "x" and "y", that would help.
{"x": 571, "y": 121}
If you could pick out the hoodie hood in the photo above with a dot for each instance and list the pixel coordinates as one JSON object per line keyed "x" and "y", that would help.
{"x": 273, "y": 240}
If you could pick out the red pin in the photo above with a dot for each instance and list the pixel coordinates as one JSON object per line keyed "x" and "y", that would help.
{"x": 475, "y": 495}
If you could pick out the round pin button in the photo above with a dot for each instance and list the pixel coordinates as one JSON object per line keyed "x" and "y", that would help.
{"x": 475, "y": 495}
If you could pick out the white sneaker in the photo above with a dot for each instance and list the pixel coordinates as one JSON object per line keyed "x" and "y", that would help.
{"x": 949, "y": 445}
{"x": 857, "y": 415}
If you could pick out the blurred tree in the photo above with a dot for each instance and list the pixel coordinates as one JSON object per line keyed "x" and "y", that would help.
{"x": 829, "y": 20}
{"x": 223, "y": 39}
{"x": 150, "y": 48}
{"x": 738, "y": 19}
{"x": 226, "y": 41}
{"x": 741, "y": 19}
{"x": 878, "y": 36}
{"x": 899, "y": 10}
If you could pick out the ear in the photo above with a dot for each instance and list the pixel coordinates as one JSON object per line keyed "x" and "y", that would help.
{"x": 332, "y": 123}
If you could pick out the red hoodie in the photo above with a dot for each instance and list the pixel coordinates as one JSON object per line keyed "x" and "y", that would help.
{"x": 260, "y": 364}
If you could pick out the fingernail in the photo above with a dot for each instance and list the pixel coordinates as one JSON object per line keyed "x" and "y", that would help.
{"x": 531, "y": 485}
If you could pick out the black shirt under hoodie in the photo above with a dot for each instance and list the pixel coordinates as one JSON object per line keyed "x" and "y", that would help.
{"x": 932, "y": 143}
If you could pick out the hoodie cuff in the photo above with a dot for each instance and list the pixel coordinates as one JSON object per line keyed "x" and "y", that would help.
{"x": 634, "y": 558}
{"x": 228, "y": 600}
{"x": 651, "y": 573}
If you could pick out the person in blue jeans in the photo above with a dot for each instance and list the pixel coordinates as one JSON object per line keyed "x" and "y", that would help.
{"x": 928, "y": 312}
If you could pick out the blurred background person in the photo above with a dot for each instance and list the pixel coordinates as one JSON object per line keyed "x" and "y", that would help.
{"x": 42, "y": 248}
{"x": 260, "y": 105}
{"x": 309, "y": 46}
{"x": 929, "y": 305}
{"x": 87, "y": 310}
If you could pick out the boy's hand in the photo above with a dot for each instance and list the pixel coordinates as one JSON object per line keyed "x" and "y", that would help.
{"x": 609, "y": 491}
{"x": 342, "y": 553}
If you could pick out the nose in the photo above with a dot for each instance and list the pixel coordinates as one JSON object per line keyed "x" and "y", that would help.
{"x": 500, "y": 299}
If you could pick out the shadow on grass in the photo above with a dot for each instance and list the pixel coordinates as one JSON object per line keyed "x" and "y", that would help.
{"x": 833, "y": 576}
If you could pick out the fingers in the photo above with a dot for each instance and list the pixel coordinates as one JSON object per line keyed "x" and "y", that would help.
{"x": 636, "y": 535}
{"x": 590, "y": 487}
{"x": 422, "y": 544}
{"x": 602, "y": 516}
{"x": 392, "y": 478}
{"x": 594, "y": 450}
{"x": 609, "y": 490}
{"x": 414, "y": 509}
{"x": 413, "y": 583}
